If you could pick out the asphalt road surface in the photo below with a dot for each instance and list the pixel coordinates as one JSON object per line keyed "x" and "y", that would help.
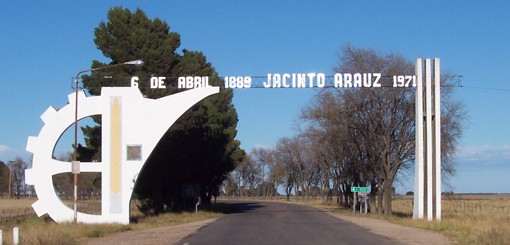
{"x": 282, "y": 223}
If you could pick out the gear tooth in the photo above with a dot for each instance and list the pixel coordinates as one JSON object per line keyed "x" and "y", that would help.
{"x": 49, "y": 113}
{"x": 72, "y": 97}
{"x": 31, "y": 144}
{"x": 29, "y": 176}
{"x": 39, "y": 208}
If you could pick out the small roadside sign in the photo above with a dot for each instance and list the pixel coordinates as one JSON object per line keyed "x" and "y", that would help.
{"x": 360, "y": 189}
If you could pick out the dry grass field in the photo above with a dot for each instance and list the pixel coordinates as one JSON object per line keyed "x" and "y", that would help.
{"x": 16, "y": 203}
{"x": 14, "y": 208}
{"x": 469, "y": 219}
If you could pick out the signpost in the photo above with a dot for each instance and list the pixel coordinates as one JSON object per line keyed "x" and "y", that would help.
{"x": 363, "y": 191}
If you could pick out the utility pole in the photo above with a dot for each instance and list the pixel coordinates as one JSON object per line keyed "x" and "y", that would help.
{"x": 10, "y": 177}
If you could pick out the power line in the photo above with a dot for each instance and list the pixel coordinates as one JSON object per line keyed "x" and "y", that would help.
{"x": 486, "y": 88}
{"x": 458, "y": 84}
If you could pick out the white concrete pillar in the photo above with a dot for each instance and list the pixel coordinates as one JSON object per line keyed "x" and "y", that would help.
{"x": 437, "y": 136}
{"x": 418, "y": 168}
{"x": 428, "y": 135}
{"x": 428, "y": 142}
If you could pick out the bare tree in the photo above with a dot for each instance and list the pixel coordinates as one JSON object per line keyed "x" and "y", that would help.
{"x": 295, "y": 165}
{"x": 246, "y": 174}
{"x": 334, "y": 144}
{"x": 284, "y": 168}
{"x": 231, "y": 186}
{"x": 263, "y": 158}
{"x": 17, "y": 168}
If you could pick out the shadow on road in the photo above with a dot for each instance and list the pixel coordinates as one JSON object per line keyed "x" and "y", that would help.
{"x": 234, "y": 207}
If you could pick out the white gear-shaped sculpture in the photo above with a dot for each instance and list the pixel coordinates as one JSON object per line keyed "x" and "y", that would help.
{"x": 131, "y": 127}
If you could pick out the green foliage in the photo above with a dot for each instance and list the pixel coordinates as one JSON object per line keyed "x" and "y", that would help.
{"x": 4, "y": 178}
{"x": 200, "y": 147}
{"x": 130, "y": 36}
{"x": 92, "y": 149}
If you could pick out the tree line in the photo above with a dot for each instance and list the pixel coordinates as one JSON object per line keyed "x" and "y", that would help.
{"x": 350, "y": 137}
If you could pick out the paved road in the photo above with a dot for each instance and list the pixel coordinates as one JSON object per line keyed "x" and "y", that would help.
{"x": 281, "y": 223}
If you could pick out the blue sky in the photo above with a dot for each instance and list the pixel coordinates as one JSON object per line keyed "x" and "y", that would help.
{"x": 44, "y": 44}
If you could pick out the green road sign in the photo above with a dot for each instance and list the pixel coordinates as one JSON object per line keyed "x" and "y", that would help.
{"x": 360, "y": 189}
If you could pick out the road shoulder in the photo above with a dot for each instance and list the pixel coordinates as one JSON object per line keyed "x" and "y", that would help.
{"x": 403, "y": 234}
{"x": 160, "y": 235}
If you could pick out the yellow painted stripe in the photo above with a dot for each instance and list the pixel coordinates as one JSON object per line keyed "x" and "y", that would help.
{"x": 115, "y": 145}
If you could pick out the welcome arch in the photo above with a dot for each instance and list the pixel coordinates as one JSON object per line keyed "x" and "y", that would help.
{"x": 125, "y": 150}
